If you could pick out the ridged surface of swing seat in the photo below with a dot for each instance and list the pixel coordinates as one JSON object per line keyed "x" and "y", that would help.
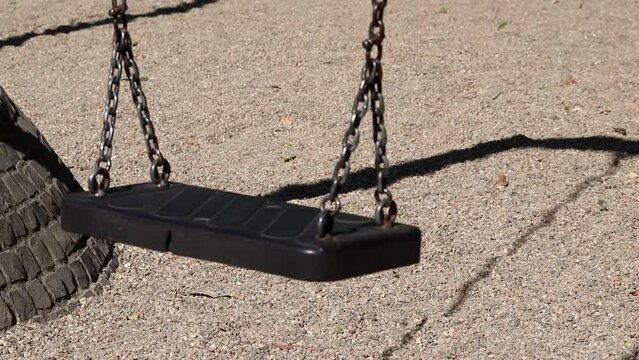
{"x": 245, "y": 231}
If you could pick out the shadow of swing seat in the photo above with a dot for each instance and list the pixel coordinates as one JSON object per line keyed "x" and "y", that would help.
{"x": 245, "y": 231}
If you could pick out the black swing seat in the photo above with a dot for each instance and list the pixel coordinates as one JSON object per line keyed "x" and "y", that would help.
{"x": 245, "y": 231}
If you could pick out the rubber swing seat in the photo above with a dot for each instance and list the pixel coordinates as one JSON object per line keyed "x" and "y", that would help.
{"x": 245, "y": 231}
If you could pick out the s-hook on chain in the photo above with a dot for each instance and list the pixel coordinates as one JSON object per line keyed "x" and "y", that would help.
{"x": 122, "y": 58}
{"x": 369, "y": 95}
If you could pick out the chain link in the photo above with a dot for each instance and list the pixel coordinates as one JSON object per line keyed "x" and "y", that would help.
{"x": 369, "y": 95}
{"x": 122, "y": 59}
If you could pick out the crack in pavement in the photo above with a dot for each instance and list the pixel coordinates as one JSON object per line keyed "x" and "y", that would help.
{"x": 488, "y": 267}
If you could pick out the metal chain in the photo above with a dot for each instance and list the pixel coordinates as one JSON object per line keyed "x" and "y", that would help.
{"x": 103, "y": 163}
{"x": 383, "y": 196}
{"x": 122, "y": 58}
{"x": 369, "y": 94}
{"x": 159, "y": 177}
{"x": 343, "y": 167}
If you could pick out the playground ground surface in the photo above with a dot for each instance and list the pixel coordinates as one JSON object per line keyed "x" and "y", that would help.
{"x": 254, "y": 96}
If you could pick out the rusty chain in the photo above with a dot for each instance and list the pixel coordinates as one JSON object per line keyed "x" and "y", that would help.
{"x": 122, "y": 58}
{"x": 369, "y": 95}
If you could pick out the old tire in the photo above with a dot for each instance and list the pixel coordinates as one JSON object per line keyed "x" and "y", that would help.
{"x": 43, "y": 269}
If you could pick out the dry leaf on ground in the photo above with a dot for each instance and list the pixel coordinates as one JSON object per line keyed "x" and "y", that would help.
{"x": 621, "y": 131}
{"x": 502, "y": 180}
{"x": 573, "y": 108}
{"x": 133, "y": 316}
{"x": 570, "y": 81}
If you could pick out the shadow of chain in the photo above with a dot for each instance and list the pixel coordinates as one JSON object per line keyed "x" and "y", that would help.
{"x": 183, "y": 7}
{"x": 365, "y": 178}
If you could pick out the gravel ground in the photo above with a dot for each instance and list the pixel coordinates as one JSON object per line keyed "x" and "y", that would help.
{"x": 543, "y": 268}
